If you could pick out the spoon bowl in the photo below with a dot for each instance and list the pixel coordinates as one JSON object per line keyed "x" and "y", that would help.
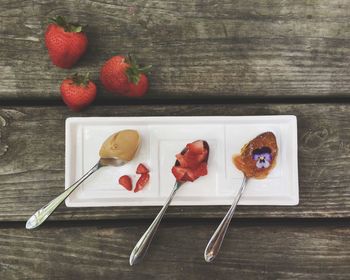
{"x": 111, "y": 162}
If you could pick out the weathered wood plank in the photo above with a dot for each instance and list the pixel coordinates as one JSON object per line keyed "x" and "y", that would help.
{"x": 197, "y": 48}
{"x": 32, "y": 160}
{"x": 250, "y": 251}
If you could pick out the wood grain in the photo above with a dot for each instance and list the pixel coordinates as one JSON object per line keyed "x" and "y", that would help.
{"x": 265, "y": 250}
{"x": 32, "y": 160}
{"x": 197, "y": 48}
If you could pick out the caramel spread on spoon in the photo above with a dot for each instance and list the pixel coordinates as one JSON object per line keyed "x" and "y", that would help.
{"x": 258, "y": 157}
{"x": 122, "y": 145}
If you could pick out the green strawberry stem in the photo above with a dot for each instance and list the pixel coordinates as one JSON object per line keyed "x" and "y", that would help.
{"x": 134, "y": 70}
{"x": 67, "y": 26}
{"x": 80, "y": 80}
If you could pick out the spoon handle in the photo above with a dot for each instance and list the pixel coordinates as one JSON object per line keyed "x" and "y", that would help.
{"x": 43, "y": 213}
{"x": 216, "y": 240}
{"x": 142, "y": 245}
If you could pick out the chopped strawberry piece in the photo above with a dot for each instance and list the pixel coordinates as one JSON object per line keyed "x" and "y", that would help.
{"x": 186, "y": 178}
{"x": 202, "y": 170}
{"x": 187, "y": 160}
{"x": 191, "y": 175}
{"x": 141, "y": 182}
{"x": 179, "y": 172}
{"x": 203, "y": 156}
{"x": 192, "y": 164}
{"x": 141, "y": 169}
{"x": 182, "y": 160}
{"x": 196, "y": 147}
{"x": 125, "y": 181}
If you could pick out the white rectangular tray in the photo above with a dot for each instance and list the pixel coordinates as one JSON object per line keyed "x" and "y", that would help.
{"x": 162, "y": 138}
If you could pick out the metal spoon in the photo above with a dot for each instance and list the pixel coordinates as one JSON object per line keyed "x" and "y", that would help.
{"x": 142, "y": 245}
{"x": 43, "y": 213}
{"x": 216, "y": 240}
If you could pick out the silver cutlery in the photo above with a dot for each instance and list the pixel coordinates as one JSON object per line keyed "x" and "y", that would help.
{"x": 118, "y": 149}
{"x": 43, "y": 213}
{"x": 142, "y": 245}
{"x": 216, "y": 240}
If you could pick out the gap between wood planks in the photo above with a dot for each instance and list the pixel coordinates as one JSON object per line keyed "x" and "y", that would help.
{"x": 32, "y": 102}
{"x": 236, "y": 222}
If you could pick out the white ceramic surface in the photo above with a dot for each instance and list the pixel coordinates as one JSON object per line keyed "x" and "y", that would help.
{"x": 162, "y": 138}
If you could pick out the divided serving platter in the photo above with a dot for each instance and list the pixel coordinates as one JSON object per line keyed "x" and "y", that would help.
{"x": 162, "y": 139}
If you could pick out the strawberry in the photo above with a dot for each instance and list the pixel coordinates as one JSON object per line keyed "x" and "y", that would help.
{"x": 203, "y": 156}
{"x": 196, "y": 147}
{"x": 202, "y": 170}
{"x": 78, "y": 91}
{"x": 191, "y": 175}
{"x": 192, "y": 164}
{"x": 179, "y": 172}
{"x": 182, "y": 160}
{"x": 188, "y": 160}
{"x": 125, "y": 181}
{"x": 141, "y": 182}
{"x": 141, "y": 169}
{"x": 66, "y": 42}
{"x": 121, "y": 75}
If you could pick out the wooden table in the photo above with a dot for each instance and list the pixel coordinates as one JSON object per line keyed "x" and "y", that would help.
{"x": 244, "y": 57}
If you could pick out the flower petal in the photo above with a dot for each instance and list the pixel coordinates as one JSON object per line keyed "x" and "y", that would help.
{"x": 266, "y": 164}
{"x": 262, "y": 164}
{"x": 267, "y": 156}
{"x": 259, "y": 164}
{"x": 256, "y": 156}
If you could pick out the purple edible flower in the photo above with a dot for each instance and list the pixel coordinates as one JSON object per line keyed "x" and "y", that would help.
{"x": 262, "y": 157}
